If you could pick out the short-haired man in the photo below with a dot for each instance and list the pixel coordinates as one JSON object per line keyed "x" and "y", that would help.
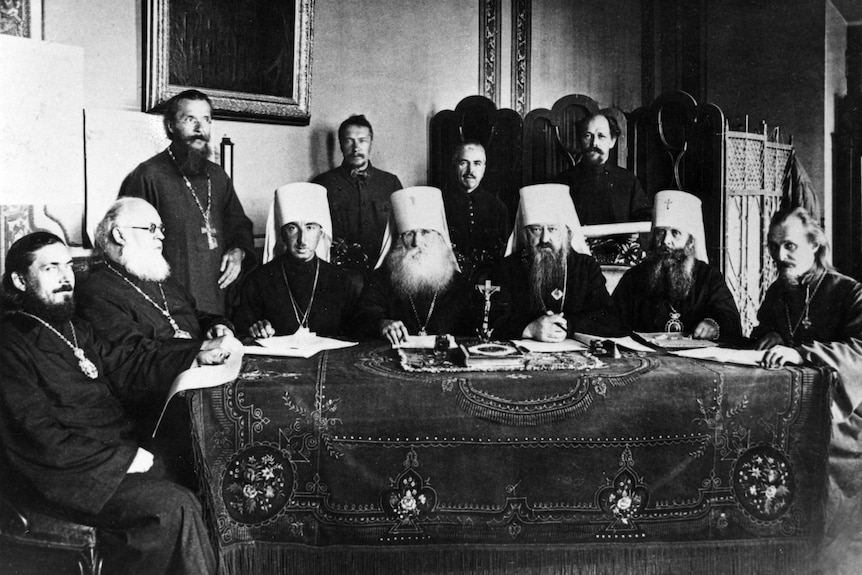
{"x": 812, "y": 315}
{"x": 66, "y": 442}
{"x": 602, "y": 192}
{"x": 675, "y": 289}
{"x": 298, "y": 289}
{"x": 132, "y": 300}
{"x": 478, "y": 220}
{"x": 358, "y": 197}
{"x": 209, "y": 236}
{"x": 549, "y": 290}
{"x": 419, "y": 289}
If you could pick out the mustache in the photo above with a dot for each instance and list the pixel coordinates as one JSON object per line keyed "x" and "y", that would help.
{"x": 63, "y": 288}
{"x": 592, "y": 149}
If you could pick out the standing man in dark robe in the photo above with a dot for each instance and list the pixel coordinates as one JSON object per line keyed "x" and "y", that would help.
{"x": 812, "y": 315}
{"x": 297, "y": 290}
{"x": 132, "y": 300}
{"x": 67, "y": 445}
{"x": 417, "y": 288}
{"x": 478, "y": 220}
{"x": 602, "y": 192}
{"x": 208, "y": 238}
{"x": 358, "y": 197}
{"x": 675, "y": 289}
{"x": 550, "y": 287}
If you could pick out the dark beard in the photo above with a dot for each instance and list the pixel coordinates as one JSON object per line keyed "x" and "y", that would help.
{"x": 190, "y": 160}
{"x": 546, "y": 273}
{"x": 670, "y": 273}
{"x": 50, "y": 312}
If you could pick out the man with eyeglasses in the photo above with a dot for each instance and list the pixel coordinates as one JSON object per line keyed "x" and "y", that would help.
{"x": 297, "y": 290}
{"x": 550, "y": 287}
{"x": 209, "y": 240}
{"x": 416, "y": 288}
{"x": 132, "y": 299}
{"x": 67, "y": 446}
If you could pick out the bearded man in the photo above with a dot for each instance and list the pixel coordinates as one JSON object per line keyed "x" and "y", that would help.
{"x": 812, "y": 315}
{"x": 297, "y": 290}
{"x": 675, "y": 289}
{"x": 133, "y": 300}
{"x": 209, "y": 238}
{"x": 550, "y": 286}
{"x": 66, "y": 444}
{"x": 417, "y": 288}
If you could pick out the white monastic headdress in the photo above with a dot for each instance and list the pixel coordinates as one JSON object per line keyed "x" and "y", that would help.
{"x": 545, "y": 204}
{"x": 416, "y": 208}
{"x": 299, "y": 202}
{"x": 683, "y": 211}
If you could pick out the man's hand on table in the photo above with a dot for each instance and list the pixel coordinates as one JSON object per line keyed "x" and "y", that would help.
{"x": 549, "y": 327}
{"x": 781, "y": 355}
{"x": 216, "y": 351}
{"x": 393, "y": 330}
{"x": 707, "y": 329}
{"x": 218, "y": 330}
{"x": 261, "y": 329}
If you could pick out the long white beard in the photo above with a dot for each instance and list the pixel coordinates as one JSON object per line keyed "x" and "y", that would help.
{"x": 416, "y": 271}
{"x": 145, "y": 264}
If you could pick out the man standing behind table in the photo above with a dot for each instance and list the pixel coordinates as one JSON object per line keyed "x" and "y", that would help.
{"x": 67, "y": 445}
{"x": 208, "y": 234}
{"x": 132, "y": 300}
{"x": 298, "y": 289}
{"x": 812, "y": 315}
{"x": 358, "y": 197}
{"x": 602, "y": 192}
{"x": 478, "y": 220}
{"x": 548, "y": 290}
{"x": 675, "y": 289}
{"x": 419, "y": 289}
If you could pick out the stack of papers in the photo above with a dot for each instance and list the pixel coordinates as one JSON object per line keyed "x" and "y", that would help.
{"x": 627, "y": 342}
{"x": 295, "y": 346}
{"x": 724, "y": 355}
{"x": 549, "y": 347}
{"x": 422, "y": 342}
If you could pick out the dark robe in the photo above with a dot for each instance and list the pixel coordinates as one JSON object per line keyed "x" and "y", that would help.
{"x": 193, "y": 263}
{"x": 478, "y": 228}
{"x": 264, "y": 295}
{"x": 709, "y": 298}
{"x": 454, "y": 309}
{"x": 67, "y": 443}
{"x": 587, "y": 306}
{"x": 122, "y": 316}
{"x": 606, "y": 194}
{"x": 834, "y": 339}
{"x": 360, "y": 210}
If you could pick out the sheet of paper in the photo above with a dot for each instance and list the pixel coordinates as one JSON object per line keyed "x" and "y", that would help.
{"x": 422, "y": 342}
{"x": 627, "y": 342}
{"x": 724, "y": 355}
{"x": 293, "y": 346}
{"x": 201, "y": 376}
{"x": 550, "y": 347}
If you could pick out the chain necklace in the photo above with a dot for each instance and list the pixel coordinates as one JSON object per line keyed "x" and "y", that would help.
{"x": 423, "y": 327}
{"x": 803, "y": 320}
{"x": 303, "y": 323}
{"x": 86, "y": 366}
{"x": 674, "y": 324}
{"x": 178, "y": 333}
{"x": 208, "y": 229}
{"x": 557, "y": 294}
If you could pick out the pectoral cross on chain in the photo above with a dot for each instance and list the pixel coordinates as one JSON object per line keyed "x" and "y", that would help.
{"x": 210, "y": 232}
{"x": 487, "y": 291}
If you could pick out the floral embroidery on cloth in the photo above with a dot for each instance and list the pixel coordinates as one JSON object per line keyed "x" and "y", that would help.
{"x": 763, "y": 483}
{"x": 257, "y": 484}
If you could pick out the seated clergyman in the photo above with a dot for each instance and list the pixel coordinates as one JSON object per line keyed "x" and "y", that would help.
{"x": 675, "y": 289}
{"x": 812, "y": 315}
{"x": 298, "y": 290}
{"x": 67, "y": 444}
{"x": 132, "y": 300}
{"x": 548, "y": 289}
{"x": 419, "y": 289}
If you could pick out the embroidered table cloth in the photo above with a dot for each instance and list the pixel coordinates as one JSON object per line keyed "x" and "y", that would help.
{"x": 346, "y": 463}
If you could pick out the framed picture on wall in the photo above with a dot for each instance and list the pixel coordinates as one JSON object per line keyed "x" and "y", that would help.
{"x": 21, "y": 18}
{"x": 252, "y": 58}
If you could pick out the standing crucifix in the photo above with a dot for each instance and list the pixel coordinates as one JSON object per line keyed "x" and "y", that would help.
{"x": 486, "y": 290}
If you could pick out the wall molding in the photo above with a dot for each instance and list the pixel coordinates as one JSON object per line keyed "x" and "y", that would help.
{"x": 489, "y": 49}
